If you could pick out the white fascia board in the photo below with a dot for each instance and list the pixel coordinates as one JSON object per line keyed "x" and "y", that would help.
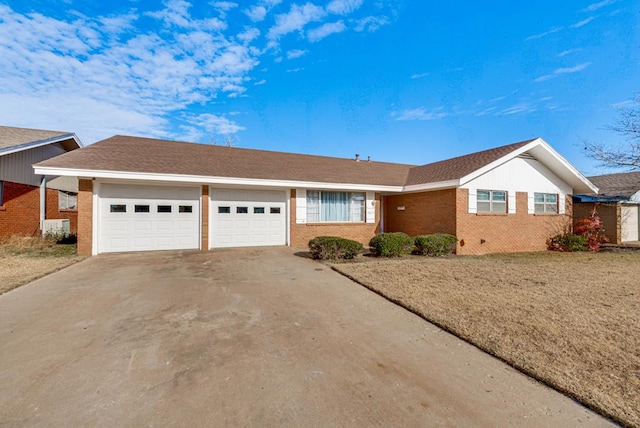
{"x": 39, "y": 143}
{"x": 178, "y": 178}
{"x": 573, "y": 172}
{"x": 431, "y": 186}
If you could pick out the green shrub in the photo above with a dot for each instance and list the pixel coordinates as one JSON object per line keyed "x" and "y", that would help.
{"x": 438, "y": 244}
{"x": 567, "y": 242}
{"x": 334, "y": 248}
{"x": 391, "y": 244}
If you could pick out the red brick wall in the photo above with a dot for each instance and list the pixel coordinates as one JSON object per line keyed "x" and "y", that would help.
{"x": 609, "y": 213}
{"x": 506, "y": 232}
{"x": 85, "y": 217}
{"x": 424, "y": 213}
{"x": 301, "y": 234}
{"x": 20, "y": 213}
{"x": 204, "y": 203}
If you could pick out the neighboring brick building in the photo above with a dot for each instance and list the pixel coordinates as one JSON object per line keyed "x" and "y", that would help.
{"x": 139, "y": 194}
{"x": 21, "y": 190}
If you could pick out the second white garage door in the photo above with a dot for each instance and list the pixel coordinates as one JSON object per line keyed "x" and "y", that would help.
{"x": 248, "y": 218}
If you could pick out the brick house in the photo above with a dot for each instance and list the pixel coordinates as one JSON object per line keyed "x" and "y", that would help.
{"x": 617, "y": 204}
{"x": 139, "y": 194}
{"x": 27, "y": 199}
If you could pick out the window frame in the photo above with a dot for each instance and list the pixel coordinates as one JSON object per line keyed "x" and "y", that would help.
{"x": 545, "y": 203}
{"x": 492, "y": 201}
{"x": 314, "y": 211}
{"x": 64, "y": 195}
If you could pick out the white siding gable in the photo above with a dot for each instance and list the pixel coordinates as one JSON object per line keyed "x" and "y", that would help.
{"x": 519, "y": 175}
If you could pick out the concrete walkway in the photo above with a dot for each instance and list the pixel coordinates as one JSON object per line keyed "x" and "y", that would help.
{"x": 254, "y": 337}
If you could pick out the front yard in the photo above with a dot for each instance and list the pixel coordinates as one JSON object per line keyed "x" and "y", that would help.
{"x": 23, "y": 260}
{"x": 571, "y": 320}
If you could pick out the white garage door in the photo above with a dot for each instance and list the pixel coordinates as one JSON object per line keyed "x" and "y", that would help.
{"x": 146, "y": 218}
{"x": 630, "y": 223}
{"x": 248, "y": 218}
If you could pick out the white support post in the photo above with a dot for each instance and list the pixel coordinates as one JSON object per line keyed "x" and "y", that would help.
{"x": 43, "y": 202}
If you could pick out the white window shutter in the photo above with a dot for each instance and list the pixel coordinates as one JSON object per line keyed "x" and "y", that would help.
{"x": 511, "y": 205}
{"x": 473, "y": 201}
{"x": 531, "y": 207}
{"x": 301, "y": 206}
{"x": 370, "y": 206}
{"x": 561, "y": 203}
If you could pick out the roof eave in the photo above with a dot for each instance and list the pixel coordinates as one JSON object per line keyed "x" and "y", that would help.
{"x": 45, "y": 142}
{"x": 196, "y": 179}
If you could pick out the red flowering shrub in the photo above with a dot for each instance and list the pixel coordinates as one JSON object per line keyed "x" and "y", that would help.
{"x": 591, "y": 228}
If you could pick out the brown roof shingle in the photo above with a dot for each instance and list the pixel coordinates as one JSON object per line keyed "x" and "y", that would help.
{"x": 146, "y": 155}
{"x": 11, "y": 136}
{"x": 622, "y": 184}
{"x": 455, "y": 168}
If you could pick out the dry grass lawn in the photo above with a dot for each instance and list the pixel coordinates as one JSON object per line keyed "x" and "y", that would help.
{"x": 571, "y": 320}
{"x": 23, "y": 260}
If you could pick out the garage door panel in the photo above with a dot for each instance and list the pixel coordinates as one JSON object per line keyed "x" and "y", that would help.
{"x": 247, "y": 217}
{"x": 149, "y": 218}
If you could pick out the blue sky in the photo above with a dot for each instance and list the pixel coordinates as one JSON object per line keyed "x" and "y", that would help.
{"x": 397, "y": 80}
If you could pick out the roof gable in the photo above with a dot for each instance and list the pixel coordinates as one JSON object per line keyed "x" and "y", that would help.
{"x": 459, "y": 167}
{"x": 14, "y": 139}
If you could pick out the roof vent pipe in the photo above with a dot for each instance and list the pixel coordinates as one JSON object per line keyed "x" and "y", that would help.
{"x": 357, "y": 157}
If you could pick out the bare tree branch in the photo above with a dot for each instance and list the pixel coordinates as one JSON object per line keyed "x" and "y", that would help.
{"x": 625, "y": 156}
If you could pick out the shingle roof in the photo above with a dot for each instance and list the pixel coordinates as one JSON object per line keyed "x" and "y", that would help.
{"x": 622, "y": 184}
{"x": 11, "y": 136}
{"x": 455, "y": 168}
{"x": 146, "y": 155}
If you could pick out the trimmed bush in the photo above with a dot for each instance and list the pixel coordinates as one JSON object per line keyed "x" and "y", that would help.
{"x": 567, "y": 242}
{"x": 334, "y": 248}
{"x": 391, "y": 244}
{"x": 438, "y": 244}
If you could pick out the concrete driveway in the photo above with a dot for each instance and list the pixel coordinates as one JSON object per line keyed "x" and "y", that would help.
{"x": 255, "y": 337}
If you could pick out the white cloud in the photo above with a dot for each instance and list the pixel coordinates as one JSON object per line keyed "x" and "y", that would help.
{"x": 419, "y": 75}
{"x": 546, "y": 33}
{"x": 225, "y": 5}
{"x": 515, "y": 109}
{"x": 595, "y": 6}
{"x": 325, "y": 30}
{"x": 371, "y": 23}
{"x": 260, "y": 82}
{"x": 214, "y": 124}
{"x": 343, "y": 7}
{"x": 79, "y": 74}
{"x": 568, "y": 52}
{"x": 421, "y": 113}
{"x": 295, "y": 20}
{"x": 583, "y": 22}
{"x": 295, "y": 70}
{"x": 559, "y": 71}
{"x": 296, "y": 53}
{"x": 256, "y": 13}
